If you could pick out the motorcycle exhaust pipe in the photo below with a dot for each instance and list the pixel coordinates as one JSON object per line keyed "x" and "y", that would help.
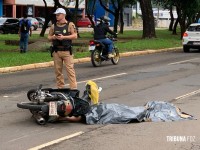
{"x": 39, "y": 119}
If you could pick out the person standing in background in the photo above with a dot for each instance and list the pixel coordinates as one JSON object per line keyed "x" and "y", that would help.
{"x": 24, "y": 33}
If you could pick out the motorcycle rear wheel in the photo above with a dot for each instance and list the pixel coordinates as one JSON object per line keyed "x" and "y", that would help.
{"x": 96, "y": 58}
{"x": 115, "y": 59}
{"x": 30, "y": 106}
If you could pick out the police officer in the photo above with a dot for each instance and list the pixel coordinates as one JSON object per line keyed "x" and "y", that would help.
{"x": 100, "y": 32}
{"x": 61, "y": 34}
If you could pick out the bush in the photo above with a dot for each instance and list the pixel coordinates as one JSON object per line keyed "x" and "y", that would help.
{"x": 15, "y": 42}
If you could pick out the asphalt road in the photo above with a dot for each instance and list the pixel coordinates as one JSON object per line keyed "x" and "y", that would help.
{"x": 169, "y": 76}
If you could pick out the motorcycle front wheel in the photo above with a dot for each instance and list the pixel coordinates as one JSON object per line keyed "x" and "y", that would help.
{"x": 96, "y": 58}
{"x": 31, "y": 94}
{"x": 115, "y": 59}
{"x": 30, "y": 106}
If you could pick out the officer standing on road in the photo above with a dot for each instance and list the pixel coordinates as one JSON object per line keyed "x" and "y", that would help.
{"x": 61, "y": 34}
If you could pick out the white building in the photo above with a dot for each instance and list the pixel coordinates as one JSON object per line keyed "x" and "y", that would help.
{"x": 161, "y": 16}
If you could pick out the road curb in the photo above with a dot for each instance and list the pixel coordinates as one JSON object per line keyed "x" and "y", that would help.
{"x": 81, "y": 60}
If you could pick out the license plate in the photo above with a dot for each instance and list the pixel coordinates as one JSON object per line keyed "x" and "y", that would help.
{"x": 91, "y": 48}
{"x": 196, "y": 43}
{"x": 53, "y": 109}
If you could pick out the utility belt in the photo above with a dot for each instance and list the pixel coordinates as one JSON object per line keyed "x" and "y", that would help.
{"x": 60, "y": 48}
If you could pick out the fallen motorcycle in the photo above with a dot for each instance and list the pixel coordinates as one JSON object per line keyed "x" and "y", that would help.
{"x": 47, "y": 102}
{"x": 99, "y": 52}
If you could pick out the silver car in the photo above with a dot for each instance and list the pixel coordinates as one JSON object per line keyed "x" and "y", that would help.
{"x": 41, "y": 21}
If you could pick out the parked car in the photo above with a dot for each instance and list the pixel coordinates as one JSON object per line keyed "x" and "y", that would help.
{"x": 41, "y": 21}
{"x": 9, "y": 25}
{"x": 34, "y": 23}
{"x": 191, "y": 38}
{"x": 84, "y": 22}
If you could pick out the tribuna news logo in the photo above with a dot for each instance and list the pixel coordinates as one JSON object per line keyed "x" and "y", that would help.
{"x": 180, "y": 138}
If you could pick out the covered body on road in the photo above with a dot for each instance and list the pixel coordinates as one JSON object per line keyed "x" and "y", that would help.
{"x": 120, "y": 114}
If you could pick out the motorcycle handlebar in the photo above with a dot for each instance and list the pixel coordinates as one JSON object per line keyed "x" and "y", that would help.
{"x": 112, "y": 37}
{"x": 54, "y": 98}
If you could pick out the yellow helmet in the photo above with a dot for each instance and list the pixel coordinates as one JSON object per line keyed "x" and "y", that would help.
{"x": 92, "y": 89}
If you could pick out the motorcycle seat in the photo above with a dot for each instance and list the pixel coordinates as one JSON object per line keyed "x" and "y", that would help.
{"x": 98, "y": 42}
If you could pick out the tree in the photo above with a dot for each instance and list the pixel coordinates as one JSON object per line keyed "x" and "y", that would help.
{"x": 76, "y": 12}
{"x": 187, "y": 12}
{"x": 115, "y": 13}
{"x": 148, "y": 19}
{"x": 123, "y": 4}
{"x": 76, "y": 16}
{"x": 47, "y": 19}
{"x": 117, "y": 10}
{"x": 172, "y": 18}
{"x": 90, "y": 8}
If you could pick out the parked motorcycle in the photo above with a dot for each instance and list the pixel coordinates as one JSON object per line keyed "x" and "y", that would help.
{"x": 99, "y": 52}
{"x": 47, "y": 102}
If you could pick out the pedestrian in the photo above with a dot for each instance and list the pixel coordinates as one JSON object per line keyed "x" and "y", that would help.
{"x": 61, "y": 34}
{"x": 24, "y": 33}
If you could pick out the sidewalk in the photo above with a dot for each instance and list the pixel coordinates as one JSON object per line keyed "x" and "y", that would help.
{"x": 81, "y": 60}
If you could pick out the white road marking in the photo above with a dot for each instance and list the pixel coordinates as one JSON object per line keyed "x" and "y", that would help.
{"x": 56, "y": 141}
{"x": 187, "y": 95}
{"x": 34, "y": 132}
{"x": 18, "y": 138}
{"x": 95, "y": 79}
{"x": 179, "y": 62}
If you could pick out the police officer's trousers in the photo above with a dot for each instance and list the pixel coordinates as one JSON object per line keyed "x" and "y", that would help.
{"x": 61, "y": 57}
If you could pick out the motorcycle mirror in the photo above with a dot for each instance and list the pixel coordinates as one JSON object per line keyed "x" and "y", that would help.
{"x": 100, "y": 89}
{"x": 40, "y": 87}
